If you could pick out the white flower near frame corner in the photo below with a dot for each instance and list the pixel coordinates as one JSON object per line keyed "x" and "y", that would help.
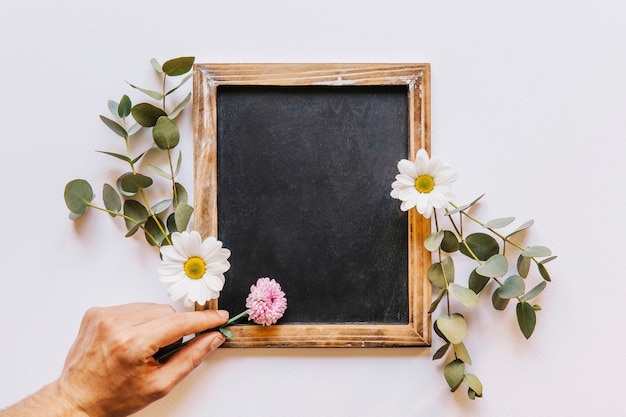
{"x": 424, "y": 184}
{"x": 193, "y": 268}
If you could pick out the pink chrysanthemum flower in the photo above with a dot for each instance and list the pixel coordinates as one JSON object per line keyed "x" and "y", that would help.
{"x": 266, "y": 302}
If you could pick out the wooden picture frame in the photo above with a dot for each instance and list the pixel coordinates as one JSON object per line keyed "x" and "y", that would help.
{"x": 414, "y": 80}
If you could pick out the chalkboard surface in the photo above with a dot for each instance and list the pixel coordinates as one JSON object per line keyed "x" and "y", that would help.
{"x": 304, "y": 176}
{"x": 293, "y": 168}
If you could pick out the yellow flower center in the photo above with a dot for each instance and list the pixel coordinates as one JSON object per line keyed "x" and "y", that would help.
{"x": 424, "y": 183}
{"x": 195, "y": 267}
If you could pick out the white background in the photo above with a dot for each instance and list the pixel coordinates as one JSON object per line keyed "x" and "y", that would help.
{"x": 528, "y": 105}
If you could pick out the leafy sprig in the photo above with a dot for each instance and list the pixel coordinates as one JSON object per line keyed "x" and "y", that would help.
{"x": 491, "y": 257}
{"x": 128, "y": 199}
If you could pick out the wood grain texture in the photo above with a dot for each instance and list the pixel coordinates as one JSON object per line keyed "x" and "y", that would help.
{"x": 416, "y": 77}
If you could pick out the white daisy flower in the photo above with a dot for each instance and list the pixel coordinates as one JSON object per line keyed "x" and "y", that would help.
{"x": 193, "y": 268}
{"x": 424, "y": 184}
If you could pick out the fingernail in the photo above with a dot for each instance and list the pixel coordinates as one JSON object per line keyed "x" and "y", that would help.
{"x": 217, "y": 341}
{"x": 223, "y": 313}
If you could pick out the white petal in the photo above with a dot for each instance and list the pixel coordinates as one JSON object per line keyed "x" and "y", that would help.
{"x": 214, "y": 282}
{"x": 407, "y": 167}
{"x": 178, "y": 289}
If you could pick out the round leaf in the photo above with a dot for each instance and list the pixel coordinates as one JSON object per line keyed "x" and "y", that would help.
{"x": 136, "y": 215}
{"x": 449, "y": 243}
{"x": 477, "y": 282}
{"x": 114, "y": 126}
{"x": 111, "y": 199}
{"x": 526, "y": 318}
{"x": 482, "y": 245}
{"x": 165, "y": 133}
{"x": 537, "y": 251}
{"x": 154, "y": 233}
{"x": 453, "y": 327}
{"x": 496, "y": 266}
{"x": 523, "y": 266}
{"x": 123, "y": 109}
{"x": 182, "y": 215}
{"x": 463, "y": 295}
{"x": 434, "y": 304}
{"x": 181, "y": 194}
{"x": 474, "y": 383}
{"x": 78, "y": 194}
{"x": 433, "y": 241}
{"x": 498, "y": 302}
{"x": 161, "y": 206}
{"x": 146, "y": 114}
{"x": 544, "y": 272}
{"x": 453, "y": 372}
{"x": 512, "y": 287}
{"x": 129, "y": 184}
{"x": 441, "y": 351}
{"x": 461, "y": 353}
{"x": 442, "y": 273}
{"x": 178, "y": 66}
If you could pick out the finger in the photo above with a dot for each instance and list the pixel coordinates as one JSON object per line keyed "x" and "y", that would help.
{"x": 133, "y": 314}
{"x": 165, "y": 330}
{"x": 190, "y": 357}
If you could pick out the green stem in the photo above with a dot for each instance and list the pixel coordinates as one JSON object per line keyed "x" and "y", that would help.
{"x": 122, "y": 215}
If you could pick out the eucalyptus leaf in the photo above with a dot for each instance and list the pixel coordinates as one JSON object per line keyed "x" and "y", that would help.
{"x": 158, "y": 171}
{"x": 183, "y": 81}
{"x": 136, "y": 214}
{"x": 526, "y": 318}
{"x": 433, "y": 241}
{"x": 477, "y": 282}
{"x": 150, "y": 93}
{"x": 134, "y": 161}
{"x": 449, "y": 243}
{"x": 535, "y": 291}
{"x": 463, "y": 295}
{"x": 146, "y": 114}
{"x": 435, "y": 303}
{"x": 75, "y": 216}
{"x": 181, "y": 194}
{"x": 117, "y": 155}
{"x": 499, "y": 223}
{"x": 123, "y": 109}
{"x": 180, "y": 107}
{"x": 453, "y": 327}
{"x": 523, "y": 265}
{"x": 129, "y": 184}
{"x": 178, "y": 163}
{"x": 442, "y": 273}
{"x": 113, "y": 106}
{"x": 474, "y": 384}
{"x": 134, "y": 129}
{"x": 78, "y": 195}
{"x": 464, "y": 207}
{"x": 498, "y": 302}
{"x": 441, "y": 351}
{"x": 438, "y": 332}
{"x": 182, "y": 215}
{"x": 114, "y": 126}
{"x": 549, "y": 259}
{"x": 460, "y": 351}
{"x": 165, "y": 133}
{"x": 157, "y": 67}
{"x": 454, "y": 372}
{"x": 171, "y": 224}
{"x": 178, "y": 66}
{"x": 544, "y": 272}
{"x": 228, "y": 334}
{"x": 512, "y": 287}
{"x": 536, "y": 252}
{"x": 482, "y": 245}
{"x": 524, "y": 226}
{"x": 111, "y": 199}
{"x": 154, "y": 231}
{"x": 161, "y": 206}
{"x": 496, "y": 266}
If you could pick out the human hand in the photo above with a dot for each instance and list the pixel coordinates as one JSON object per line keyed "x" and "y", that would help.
{"x": 109, "y": 370}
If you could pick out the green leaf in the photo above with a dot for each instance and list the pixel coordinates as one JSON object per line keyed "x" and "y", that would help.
{"x": 137, "y": 215}
{"x": 437, "y": 270}
{"x": 129, "y": 184}
{"x": 512, "y": 287}
{"x": 123, "y": 109}
{"x": 111, "y": 199}
{"x": 474, "y": 384}
{"x": 438, "y": 332}
{"x": 477, "y": 282}
{"x": 499, "y": 223}
{"x": 182, "y": 215}
{"x": 134, "y": 129}
{"x": 171, "y": 224}
{"x": 498, "y": 302}
{"x": 158, "y": 171}
{"x": 526, "y": 318}
{"x": 461, "y": 353}
{"x": 524, "y": 226}
{"x": 435, "y": 303}
{"x": 463, "y": 295}
{"x": 114, "y": 126}
{"x": 453, "y": 372}
{"x": 178, "y": 66}
{"x": 157, "y": 67}
{"x": 535, "y": 291}
{"x": 165, "y": 133}
{"x": 433, "y": 241}
{"x": 161, "y": 206}
{"x": 178, "y": 163}
{"x": 441, "y": 351}
{"x": 146, "y": 114}
{"x": 150, "y": 93}
{"x": 181, "y": 194}
{"x": 228, "y": 334}
{"x": 113, "y": 106}
{"x": 453, "y": 327}
{"x": 117, "y": 155}
{"x": 181, "y": 106}
{"x": 78, "y": 194}
{"x": 543, "y": 271}
{"x": 449, "y": 243}
{"x": 523, "y": 266}
{"x": 154, "y": 234}
{"x": 134, "y": 161}
{"x": 537, "y": 252}
{"x": 463, "y": 207}
{"x": 183, "y": 81}
{"x": 549, "y": 259}
{"x": 481, "y": 244}
{"x": 496, "y": 266}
